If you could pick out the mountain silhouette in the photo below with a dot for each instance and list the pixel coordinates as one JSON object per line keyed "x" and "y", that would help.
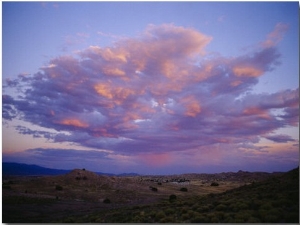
{"x": 21, "y": 169}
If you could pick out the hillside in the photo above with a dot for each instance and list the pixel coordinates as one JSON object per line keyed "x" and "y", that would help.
{"x": 83, "y": 196}
{"x": 275, "y": 200}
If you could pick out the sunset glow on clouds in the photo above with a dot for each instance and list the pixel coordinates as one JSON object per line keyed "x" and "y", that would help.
{"x": 158, "y": 101}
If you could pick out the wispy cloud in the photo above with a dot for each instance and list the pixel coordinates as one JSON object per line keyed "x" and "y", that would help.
{"x": 276, "y": 35}
{"x": 156, "y": 94}
{"x": 221, "y": 19}
{"x": 46, "y": 4}
{"x": 281, "y": 138}
{"x": 75, "y": 39}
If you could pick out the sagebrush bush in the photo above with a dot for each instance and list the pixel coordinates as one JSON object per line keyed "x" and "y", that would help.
{"x": 185, "y": 216}
{"x": 170, "y": 211}
{"x": 221, "y": 207}
{"x": 172, "y": 198}
{"x": 199, "y": 219}
{"x": 58, "y": 188}
{"x": 167, "y": 219}
{"x": 159, "y": 215}
{"x": 184, "y": 189}
{"x": 154, "y": 189}
{"x": 8, "y": 187}
{"x": 106, "y": 201}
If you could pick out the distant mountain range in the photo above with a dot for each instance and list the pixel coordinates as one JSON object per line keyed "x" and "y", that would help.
{"x": 20, "y": 169}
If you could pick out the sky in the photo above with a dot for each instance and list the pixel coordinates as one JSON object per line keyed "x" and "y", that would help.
{"x": 151, "y": 87}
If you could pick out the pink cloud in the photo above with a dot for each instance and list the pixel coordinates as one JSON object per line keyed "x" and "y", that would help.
{"x": 257, "y": 111}
{"x": 73, "y": 122}
{"x": 192, "y": 106}
{"x": 156, "y": 95}
{"x": 276, "y": 35}
{"x": 247, "y": 71}
{"x": 156, "y": 160}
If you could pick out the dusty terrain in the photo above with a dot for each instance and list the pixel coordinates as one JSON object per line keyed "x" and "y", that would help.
{"x": 80, "y": 192}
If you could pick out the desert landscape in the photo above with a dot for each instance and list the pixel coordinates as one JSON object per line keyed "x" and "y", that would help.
{"x": 83, "y": 196}
{"x": 150, "y": 112}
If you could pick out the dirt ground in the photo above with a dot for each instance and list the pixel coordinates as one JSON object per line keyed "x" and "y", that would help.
{"x": 38, "y": 199}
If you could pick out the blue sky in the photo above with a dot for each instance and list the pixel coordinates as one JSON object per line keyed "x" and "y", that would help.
{"x": 253, "y": 44}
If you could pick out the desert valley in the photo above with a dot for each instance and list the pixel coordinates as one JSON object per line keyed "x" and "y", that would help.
{"x": 150, "y": 112}
{"x": 84, "y": 196}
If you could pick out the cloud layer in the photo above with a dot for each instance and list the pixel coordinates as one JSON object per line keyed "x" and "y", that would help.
{"x": 156, "y": 94}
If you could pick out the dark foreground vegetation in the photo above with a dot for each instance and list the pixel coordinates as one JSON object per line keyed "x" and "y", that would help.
{"x": 274, "y": 200}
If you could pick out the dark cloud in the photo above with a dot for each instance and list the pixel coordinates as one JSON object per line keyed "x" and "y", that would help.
{"x": 35, "y": 133}
{"x": 281, "y": 138}
{"x": 156, "y": 93}
{"x": 66, "y": 154}
{"x": 8, "y": 110}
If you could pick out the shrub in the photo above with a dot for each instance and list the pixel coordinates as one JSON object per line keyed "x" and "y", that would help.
{"x": 266, "y": 206}
{"x": 170, "y": 211}
{"x": 242, "y": 216}
{"x": 184, "y": 210}
{"x": 291, "y": 217}
{"x": 185, "y": 216}
{"x": 203, "y": 209}
{"x": 160, "y": 215}
{"x": 228, "y": 218}
{"x": 221, "y": 207}
{"x": 5, "y": 186}
{"x": 84, "y": 178}
{"x": 159, "y": 183}
{"x": 167, "y": 219}
{"x": 184, "y": 189}
{"x": 106, "y": 201}
{"x": 191, "y": 213}
{"x": 58, "y": 188}
{"x": 233, "y": 207}
{"x": 92, "y": 218}
{"x": 69, "y": 220}
{"x": 220, "y": 215}
{"x": 214, "y": 184}
{"x": 172, "y": 198}
{"x": 154, "y": 189}
{"x": 199, "y": 219}
{"x": 211, "y": 195}
{"x": 242, "y": 205}
{"x": 253, "y": 220}
{"x": 254, "y": 204}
